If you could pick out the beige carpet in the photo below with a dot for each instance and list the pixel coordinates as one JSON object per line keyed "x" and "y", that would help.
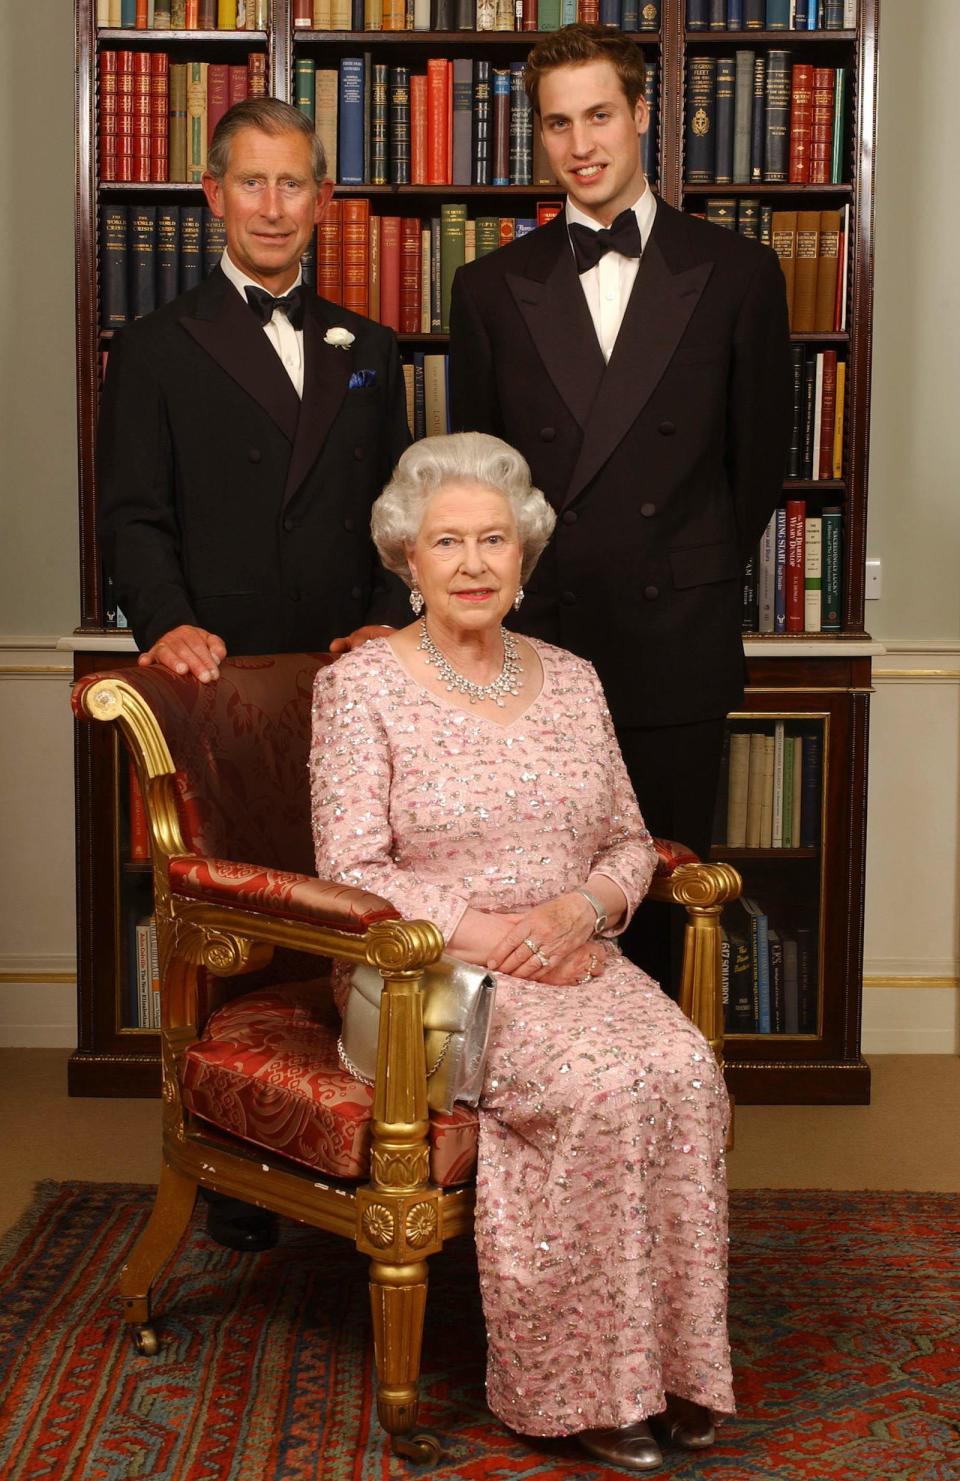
{"x": 908, "y": 1138}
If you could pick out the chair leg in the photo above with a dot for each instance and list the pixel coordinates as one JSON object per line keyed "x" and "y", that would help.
{"x": 176, "y": 1196}
{"x": 398, "y": 1300}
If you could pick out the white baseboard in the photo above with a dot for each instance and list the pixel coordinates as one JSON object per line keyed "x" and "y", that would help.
{"x": 917, "y": 1019}
{"x": 38, "y": 1015}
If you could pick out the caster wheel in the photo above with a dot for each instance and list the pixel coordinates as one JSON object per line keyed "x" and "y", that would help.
{"x": 145, "y": 1341}
{"x": 423, "y": 1449}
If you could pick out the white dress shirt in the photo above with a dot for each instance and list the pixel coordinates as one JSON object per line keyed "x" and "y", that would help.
{"x": 607, "y": 287}
{"x": 287, "y": 341}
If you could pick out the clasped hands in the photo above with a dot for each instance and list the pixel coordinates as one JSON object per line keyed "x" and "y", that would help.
{"x": 554, "y": 943}
{"x": 193, "y": 650}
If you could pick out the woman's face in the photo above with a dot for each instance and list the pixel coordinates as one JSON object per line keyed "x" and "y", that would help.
{"x": 466, "y": 558}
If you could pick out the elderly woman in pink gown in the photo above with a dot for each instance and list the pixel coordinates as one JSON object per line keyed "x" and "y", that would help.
{"x": 472, "y": 777}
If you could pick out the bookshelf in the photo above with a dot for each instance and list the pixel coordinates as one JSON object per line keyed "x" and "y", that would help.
{"x": 817, "y": 685}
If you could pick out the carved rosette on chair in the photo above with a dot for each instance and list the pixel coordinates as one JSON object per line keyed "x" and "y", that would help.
{"x": 223, "y": 772}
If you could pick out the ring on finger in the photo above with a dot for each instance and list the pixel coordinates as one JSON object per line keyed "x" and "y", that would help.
{"x": 535, "y": 950}
{"x": 593, "y": 970}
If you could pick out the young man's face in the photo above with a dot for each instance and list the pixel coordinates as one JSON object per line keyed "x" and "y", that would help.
{"x": 270, "y": 203}
{"x": 592, "y": 137}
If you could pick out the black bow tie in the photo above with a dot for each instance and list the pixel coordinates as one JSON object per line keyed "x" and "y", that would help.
{"x": 622, "y": 236}
{"x": 263, "y": 304}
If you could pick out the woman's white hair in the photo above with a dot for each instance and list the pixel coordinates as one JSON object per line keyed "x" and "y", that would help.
{"x": 463, "y": 458}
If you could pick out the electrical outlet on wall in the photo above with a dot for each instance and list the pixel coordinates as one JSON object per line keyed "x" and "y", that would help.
{"x": 873, "y": 581}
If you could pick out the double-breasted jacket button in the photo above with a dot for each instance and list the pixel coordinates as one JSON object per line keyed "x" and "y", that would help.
{"x": 651, "y": 593}
{"x": 349, "y": 525}
{"x": 547, "y": 434}
{"x": 289, "y": 523}
{"x": 254, "y": 454}
{"x": 570, "y": 516}
{"x": 356, "y": 592}
{"x": 568, "y": 598}
{"x": 359, "y": 454}
{"x": 648, "y": 509}
{"x": 294, "y": 593}
{"x": 667, "y": 429}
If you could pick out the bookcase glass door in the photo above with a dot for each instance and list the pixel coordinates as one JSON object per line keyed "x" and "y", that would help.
{"x": 771, "y": 823}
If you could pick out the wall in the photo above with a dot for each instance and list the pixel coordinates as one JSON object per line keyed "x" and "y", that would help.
{"x": 912, "y": 932}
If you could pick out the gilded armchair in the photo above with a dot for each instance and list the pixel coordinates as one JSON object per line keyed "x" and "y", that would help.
{"x": 223, "y": 772}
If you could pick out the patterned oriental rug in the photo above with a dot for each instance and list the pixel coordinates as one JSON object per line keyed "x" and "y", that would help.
{"x": 845, "y": 1317}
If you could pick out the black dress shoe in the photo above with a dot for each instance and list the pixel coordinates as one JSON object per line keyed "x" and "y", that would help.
{"x": 634, "y": 1447}
{"x": 240, "y": 1226}
{"x": 684, "y": 1423}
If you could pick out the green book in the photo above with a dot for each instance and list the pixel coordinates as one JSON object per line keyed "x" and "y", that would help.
{"x": 488, "y": 234}
{"x": 178, "y": 15}
{"x": 452, "y": 249}
{"x": 786, "y": 827}
{"x": 831, "y": 562}
{"x": 304, "y": 86}
{"x": 839, "y": 95}
{"x": 548, "y": 15}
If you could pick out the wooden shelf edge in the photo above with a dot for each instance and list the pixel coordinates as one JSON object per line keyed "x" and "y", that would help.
{"x": 104, "y": 1075}
{"x": 797, "y": 1082}
{"x": 721, "y": 38}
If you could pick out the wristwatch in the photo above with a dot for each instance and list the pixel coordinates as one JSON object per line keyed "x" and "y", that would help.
{"x": 600, "y": 924}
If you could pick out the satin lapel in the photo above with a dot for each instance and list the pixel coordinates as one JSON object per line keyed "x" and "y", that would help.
{"x": 326, "y": 371}
{"x": 230, "y": 334}
{"x": 556, "y": 314}
{"x": 656, "y": 316}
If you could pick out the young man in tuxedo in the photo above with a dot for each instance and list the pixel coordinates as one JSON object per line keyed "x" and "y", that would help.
{"x": 245, "y": 431}
{"x": 247, "y": 427}
{"x": 639, "y": 359}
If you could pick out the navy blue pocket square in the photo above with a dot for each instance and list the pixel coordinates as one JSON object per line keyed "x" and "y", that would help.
{"x": 360, "y": 379}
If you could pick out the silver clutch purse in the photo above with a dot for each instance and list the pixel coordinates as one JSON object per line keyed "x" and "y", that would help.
{"x": 457, "y": 1002}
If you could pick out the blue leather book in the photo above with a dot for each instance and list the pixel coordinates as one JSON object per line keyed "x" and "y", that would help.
{"x": 734, "y": 15}
{"x": 778, "y": 15}
{"x": 810, "y": 793}
{"x": 168, "y": 253}
{"x": 610, "y": 11}
{"x": 351, "y": 121}
{"x": 801, "y": 16}
{"x": 760, "y": 961}
{"x": 698, "y": 12}
{"x": 630, "y": 15}
{"x": 128, "y": 13}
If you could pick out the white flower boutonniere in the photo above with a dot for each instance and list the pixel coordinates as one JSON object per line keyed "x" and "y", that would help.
{"x": 340, "y": 337}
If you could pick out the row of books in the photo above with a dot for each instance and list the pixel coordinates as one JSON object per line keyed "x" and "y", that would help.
{"x": 793, "y": 582}
{"x": 814, "y": 249}
{"x": 768, "y": 796}
{"x": 472, "y": 15}
{"x": 819, "y": 405}
{"x": 459, "y": 122}
{"x": 426, "y": 380}
{"x": 769, "y": 975}
{"x": 755, "y": 117}
{"x": 184, "y": 15}
{"x": 143, "y": 1009}
{"x": 150, "y": 254}
{"x": 157, "y": 117}
{"x": 771, "y": 15}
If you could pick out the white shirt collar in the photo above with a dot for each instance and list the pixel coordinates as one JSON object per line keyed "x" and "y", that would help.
{"x": 240, "y": 280}
{"x": 645, "y": 209}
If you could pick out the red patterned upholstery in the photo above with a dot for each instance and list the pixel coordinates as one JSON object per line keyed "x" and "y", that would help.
{"x": 671, "y": 855}
{"x": 266, "y": 1070}
{"x": 276, "y": 892}
{"x": 240, "y": 749}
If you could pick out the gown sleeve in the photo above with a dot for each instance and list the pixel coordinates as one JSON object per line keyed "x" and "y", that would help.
{"x": 628, "y": 856}
{"x": 350, "y": 778}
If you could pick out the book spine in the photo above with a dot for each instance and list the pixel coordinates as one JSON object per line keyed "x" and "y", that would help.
{"x": 734, "y": 15}
{"x": 785, "y": 246}
{"x": 775, "y": 947}
{"x": 806, "y": 981}
{"x": 379, "y": 127}
{"x": 743, "y": 116}
{"x": 717, "y": 15}
{"x": 777, "y": 122}
{"x": 409, "y": 275}
{"x": 399, "y": 125}
{"x": 780, "y": 573}
{"x": 700, "y": 124}
{"x": 812, "y": 573}
{"x": 838, "y": 419}
{"x": 434, "y": 310}
{"x": 196, "y": 120}
{"x": 755, "y": 789}
{"x": 697, "y": 15}
{"x": 462, "y": 171}
{"x": 141, "y": 117}
{"x": 227, "y": 15}
{"x": 521, "y": 129}
{"x": 758, "y": 123}
{"x": 418, "y": 128}
{"x": 159, "y": 116}
{"x": 367, "y": 105}
{"x": 803, "y": 318}
{"x": 143, "y": 260}
{"x": 725, "y": 108}
{"x": 108, "y": 121}
{"x": 213, "y": 240}
{"x": 437, "y": 87}
{"x": 351, "y": 121}
{"x": 777, "y": 15}
{"x": 305, "y": 87}
{"x": 828, "y": 262}
{"x": 737, "y": 783}
{"x": 114, "y": 310}
{"x": 326, "y": 93}
{"x": 390, "y": 272}
{"x": 487, "y": 15}
{"x": 801, "y": 123}
{"x": 452, "y": 220}
{"x": 373, "y": 269}
{"x": 795, "y": 452}
{"x": 801, "y": 15}
{"x": 139, "y": 833}
{"x": 191, "y": 261}
{"x": 821, "y": 126}
{"x": 796, "y": 514}
{"x": 767, "y": 577}
{"x": 482, "y": 137}
{"x": 748, "y": 620}
{"x": 330, "y": 254}
{"x": 649, "y": 142}
{"x": 830, "y": 617}
{"x": 761, "y": 955}
{"x": 817, "y": 413}
{"x": 753, "y": 15}
{"x": 828, "y": 412}
{"x": 218, "y": 95}
{"x": 839, "y": 97}
{"x": 810, "y": 793}
{"x": 168, "y": 253}
{"x": 355, "y": 251}
{"x": 500, "y": 141}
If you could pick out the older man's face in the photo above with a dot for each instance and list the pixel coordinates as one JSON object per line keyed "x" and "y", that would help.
{"x": 270, "y": 204}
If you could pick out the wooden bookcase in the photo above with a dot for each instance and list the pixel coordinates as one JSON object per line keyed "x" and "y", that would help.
{"x": 804, "y": 681}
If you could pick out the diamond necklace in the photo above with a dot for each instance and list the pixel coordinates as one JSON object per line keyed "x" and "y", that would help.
{"x": 506, "y": 682}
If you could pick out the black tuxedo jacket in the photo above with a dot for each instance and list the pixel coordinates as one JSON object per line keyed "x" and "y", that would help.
{"x": 663, "y": 465}
{"x": 225, "y": 501}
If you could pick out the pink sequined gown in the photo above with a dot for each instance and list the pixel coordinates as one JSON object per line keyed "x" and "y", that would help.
{"x": 601, "y": 1201}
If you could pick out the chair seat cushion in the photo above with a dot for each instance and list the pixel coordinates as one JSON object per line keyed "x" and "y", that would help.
{"x": 267, "y": 1070}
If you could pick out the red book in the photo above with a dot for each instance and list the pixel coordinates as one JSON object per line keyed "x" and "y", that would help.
{"x": 108, "y": 115}
{"x": 418, "y": 128}
{"x": 821, "y": 129}
{"x": 302, "y": 14}
{"x": 588, "y": 12}
{"x": 141, "y": 15}
{"x": 828, "y": 414}
{"x": 796, "y": 556}
{"x": 124, "y": 137}
{"x": 390, "y": 272}
{"x": 141, "y": 116}
{"x": 801, "y": 120}
{"x": 237, "y": 85}
{"x": 507, "y": 230}
{"x": 139, "y": 836}
{"x": 438, "y": 159}
{"x": 329, "y": 255}
{"x": 410, "y": 275}
{"x": 159, "y": 116}
{"x": 355, "y": 219}
{"x": 257, "y": 75}
{"x": 191, "y": 18}
{"x": 530, "y": 15}
{"x": 218, "y": 95}
{"x": 841, "y": 273}
{"x": 546, "y": 210}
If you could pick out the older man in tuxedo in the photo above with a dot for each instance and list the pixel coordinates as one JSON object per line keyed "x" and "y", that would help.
{"x": 639, "y": 359}
{"x": 246, "y": 430}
